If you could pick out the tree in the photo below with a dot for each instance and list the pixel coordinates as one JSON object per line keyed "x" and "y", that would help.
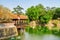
{"x": 18, "y": 10}
{"x": 5, "y": 13}
{"x": 38, "y": 12}
{"x": 35, "y": 11}
{"x": 57, "y": 13}
{"x": 49, "y": 13}
{"x": 45, "y": 18}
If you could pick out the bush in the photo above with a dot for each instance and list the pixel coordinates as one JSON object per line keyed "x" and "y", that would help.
{"x": 38, "y": 30}
{"x": 56, "y": 32}
{"x": 42, "y": 30}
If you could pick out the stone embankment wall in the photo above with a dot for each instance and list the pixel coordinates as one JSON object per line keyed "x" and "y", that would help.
{"x": 53, "y": 23}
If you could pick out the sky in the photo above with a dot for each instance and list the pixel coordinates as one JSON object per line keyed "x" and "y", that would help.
{"x": 28, "y": 3}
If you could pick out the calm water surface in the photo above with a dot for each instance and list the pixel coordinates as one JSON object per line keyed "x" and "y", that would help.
{"x": 27, "y": 36}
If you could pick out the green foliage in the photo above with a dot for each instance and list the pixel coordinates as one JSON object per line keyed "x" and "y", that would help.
{"x": 34, "y": 12}
{"x": 40, "y": 13}
{"x": 48, "y": 16}
{"x": 57, "y": 13}
{"x": 15, "y": 38}
{"x": 38, "y": 30}
{"x": 56, "y": 32}
{"x": 42, "y": 30}
{"x": 18, "y": 10}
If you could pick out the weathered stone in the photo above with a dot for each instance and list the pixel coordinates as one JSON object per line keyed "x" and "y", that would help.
{"x": 7, "y": 30}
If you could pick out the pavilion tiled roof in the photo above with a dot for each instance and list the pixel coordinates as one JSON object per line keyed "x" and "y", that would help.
{"x": 11, "y": 15}
{"x": 23, "y": 17}
{"x": 14, "y": 16}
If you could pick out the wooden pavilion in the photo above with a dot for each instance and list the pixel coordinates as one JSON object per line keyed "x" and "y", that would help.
{"x": 20, "y": 21}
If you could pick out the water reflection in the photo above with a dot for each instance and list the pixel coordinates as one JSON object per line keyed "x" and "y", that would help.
{"x": 27, "y": 36}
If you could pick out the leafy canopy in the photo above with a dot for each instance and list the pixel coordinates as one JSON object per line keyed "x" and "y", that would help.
{"x": 35, "y": 11}
{"x": 40, "y": 13}
{"x": 17, "y": 10}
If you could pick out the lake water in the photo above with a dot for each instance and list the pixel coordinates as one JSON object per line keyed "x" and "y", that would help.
{"x": 27, "y": 36}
